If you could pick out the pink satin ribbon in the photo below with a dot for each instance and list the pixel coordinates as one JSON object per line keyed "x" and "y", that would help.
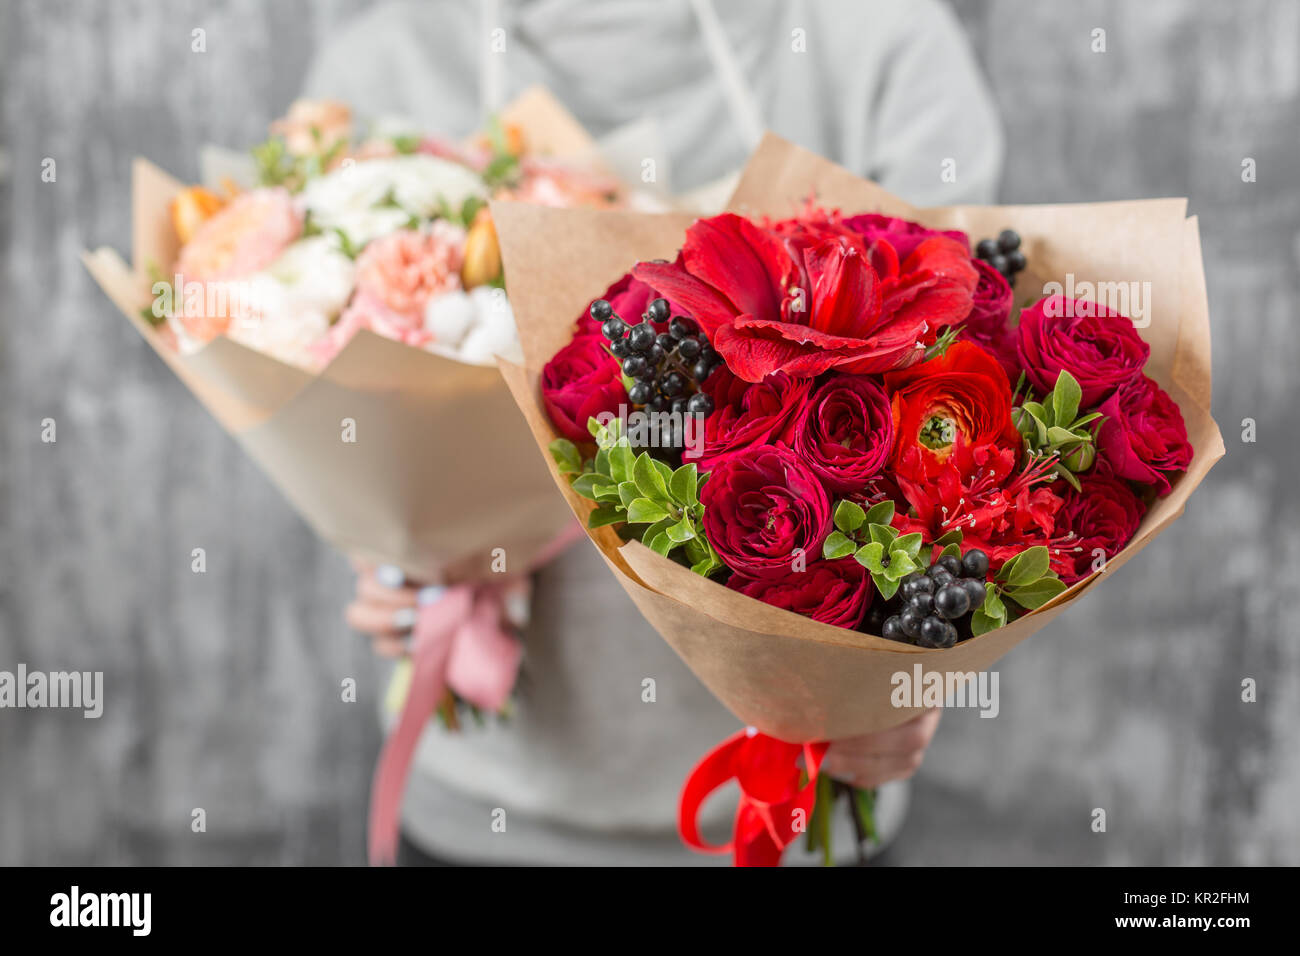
{"x": 463, "y": 641}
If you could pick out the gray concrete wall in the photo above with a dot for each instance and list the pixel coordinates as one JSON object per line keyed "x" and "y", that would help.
{"x": 224, "y": 687}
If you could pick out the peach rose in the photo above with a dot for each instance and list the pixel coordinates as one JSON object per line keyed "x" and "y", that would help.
{"x": 245, "y": 236}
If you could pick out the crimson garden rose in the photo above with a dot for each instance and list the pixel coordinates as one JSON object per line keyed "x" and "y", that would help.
{"x": 580, "y": 382}
{"x": 987, "y": 325}
{"x": 833, "y": 592}
{"x": 1103, "y": 516}
{"x": 1142, "y": 436}
{"x": 903, "y": 234}
{"x": 745, "y": 414}
{"x": 628, "y": 297}
{"x": 1099, "y": 347}
{"x": 844, "y": 432}
{"x": 761, "y": 506}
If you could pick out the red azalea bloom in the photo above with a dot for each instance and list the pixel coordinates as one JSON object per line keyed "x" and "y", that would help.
{"x": 803, "y": 298}
{"x": 962, "y": 396}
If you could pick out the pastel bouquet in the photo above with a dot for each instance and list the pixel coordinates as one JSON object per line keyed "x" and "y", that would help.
{"x": 340, "y": 315}
{"x": 818, "y": 442}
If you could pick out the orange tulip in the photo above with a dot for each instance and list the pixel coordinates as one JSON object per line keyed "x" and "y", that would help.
{"x": 191, "y": 208}
{"x": 482, "y": 254}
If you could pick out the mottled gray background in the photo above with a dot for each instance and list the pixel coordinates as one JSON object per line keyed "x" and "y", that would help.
{"x": 224, "y": 687}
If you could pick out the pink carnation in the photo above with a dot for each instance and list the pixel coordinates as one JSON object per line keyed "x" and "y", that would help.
{"x": 401, "y": 272}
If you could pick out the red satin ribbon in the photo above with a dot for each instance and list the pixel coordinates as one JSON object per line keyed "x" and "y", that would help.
{"x": 776, "y": 795}
{"x": 461, "y": 641}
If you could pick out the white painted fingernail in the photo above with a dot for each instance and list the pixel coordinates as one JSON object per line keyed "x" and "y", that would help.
{"x": 390, "y": 576}
{"x": 404, "y": 618}
{"x": 431, "y": 594}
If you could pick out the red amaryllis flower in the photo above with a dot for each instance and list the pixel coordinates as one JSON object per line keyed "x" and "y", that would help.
{"x": 833, "y": 592}
{"x": 580, "y": 382}
{"x": 1143, "y": 437}
{"x": 844, "y": 433}
{"x": 1100, "y": 348}
{"x": 1094, "y": 522}
{"x": 812, "y": 299}
{"x": 961, "y": 397}
{"x": 745, "y": 414}
{"x": 763, "y": 507}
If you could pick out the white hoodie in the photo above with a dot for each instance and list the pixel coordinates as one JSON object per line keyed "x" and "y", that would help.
{"x": 586, "y": 770}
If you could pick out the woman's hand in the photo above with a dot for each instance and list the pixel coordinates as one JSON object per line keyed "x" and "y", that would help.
{"x": 384, "y": 608}
{"x": 873, "y": 759}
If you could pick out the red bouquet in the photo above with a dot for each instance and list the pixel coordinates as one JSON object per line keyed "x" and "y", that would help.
{"x": 840, "y": 414}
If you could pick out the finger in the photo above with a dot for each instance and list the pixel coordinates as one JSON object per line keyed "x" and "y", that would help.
{"x": 913, "y": 735}
{"x": 378, "y": 619}
{"x": 372, "y": 591}
{"x": 868, "y": 772}
{"x": 390, "y": 646}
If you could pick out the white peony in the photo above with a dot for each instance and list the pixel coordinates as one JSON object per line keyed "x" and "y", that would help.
{"x": 356, "y": 197}
{"x": 473, "y": 327}
{"x": 290, "y": 304}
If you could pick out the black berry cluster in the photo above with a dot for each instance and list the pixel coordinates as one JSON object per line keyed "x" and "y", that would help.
{"x": 1003, "y": 254}
{"x": 932, "y": 608}
{"x": 666, "y": 367}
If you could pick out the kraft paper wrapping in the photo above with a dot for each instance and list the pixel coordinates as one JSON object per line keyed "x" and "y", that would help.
{"x": 436, "y": 478}
{"x": 789, "y": 676}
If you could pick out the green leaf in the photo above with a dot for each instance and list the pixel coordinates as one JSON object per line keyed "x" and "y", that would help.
{"x": 849, "y": 516}
{"x": 664, "y": 470}
{"x": 605, "y": 514}
{"x": 887, "y": 588}
{"x": 704, "y": 567}
{"x": 585, "y": 484}
{"x": 882, "y": 534}
{"x": 949, "y": 537}
{"x": 880, "y": 513}
{"x": 627, "y": 493}
{"x": 1088, "y": 419}
{"x": 645, "y": 511}
{"x": 682, "y": 531}
{"x": 601, "y": 464}
{"x": 607, "y": 492}
{"x": 1066, "y": 397}
{"x": 1068, "y": 475}
{"x": 869, "y": 556}
{"x": 567, "y": 457}
{"x": 952, "y": 549}
{"x": 594, "y": 427}
{"x": 910, "y": 543}
{"x": 982, "y": 623}
{"x": 621, "y": 461}
{"x": 660, "y": 544}
{"x": 683, "y": 484}
{"x": 1027, "y": 566}
{"x": 649, "y": 480}
{"x": 900, "y": 565}
{"x": 1037, "y": 412}
{"x": 1058, "y": 436}
{"x": 993, "y": 605}
{"x": 838, "y": 545}
{"x": 1035, "y": 595}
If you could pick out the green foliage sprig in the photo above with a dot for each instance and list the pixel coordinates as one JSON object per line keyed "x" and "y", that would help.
{"x": 659, "y": 506}
{"x": 1055, "y": 427}
{"x": 1027, "y": 579}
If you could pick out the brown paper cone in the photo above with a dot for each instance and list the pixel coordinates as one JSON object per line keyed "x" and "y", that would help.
{"x": 435, "y": 479}
{"x": 787, "y": 675}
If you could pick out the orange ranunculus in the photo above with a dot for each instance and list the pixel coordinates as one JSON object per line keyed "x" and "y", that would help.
{"x": 192, "y": 207}
{"x": 962, "y": 396}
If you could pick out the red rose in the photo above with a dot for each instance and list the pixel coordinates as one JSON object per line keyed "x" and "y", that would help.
{"x": 833, "y": 592}
{"x": 1103, "y": 517}
{"x": 845, "y": 432}
{"x": 580, "y": 382}
{"x": 959, "y": 398}
{"x": 628, "y": 297}
{"x": 1143, "y": 437}
{"x": 806, "y": 299}
{"x": 1100, "y": 348}
{"x": 987, "y": 323}
{"x": 760, "y": 506}
{"x": 745, "y": 414}
{"x": 903, "y": 234}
